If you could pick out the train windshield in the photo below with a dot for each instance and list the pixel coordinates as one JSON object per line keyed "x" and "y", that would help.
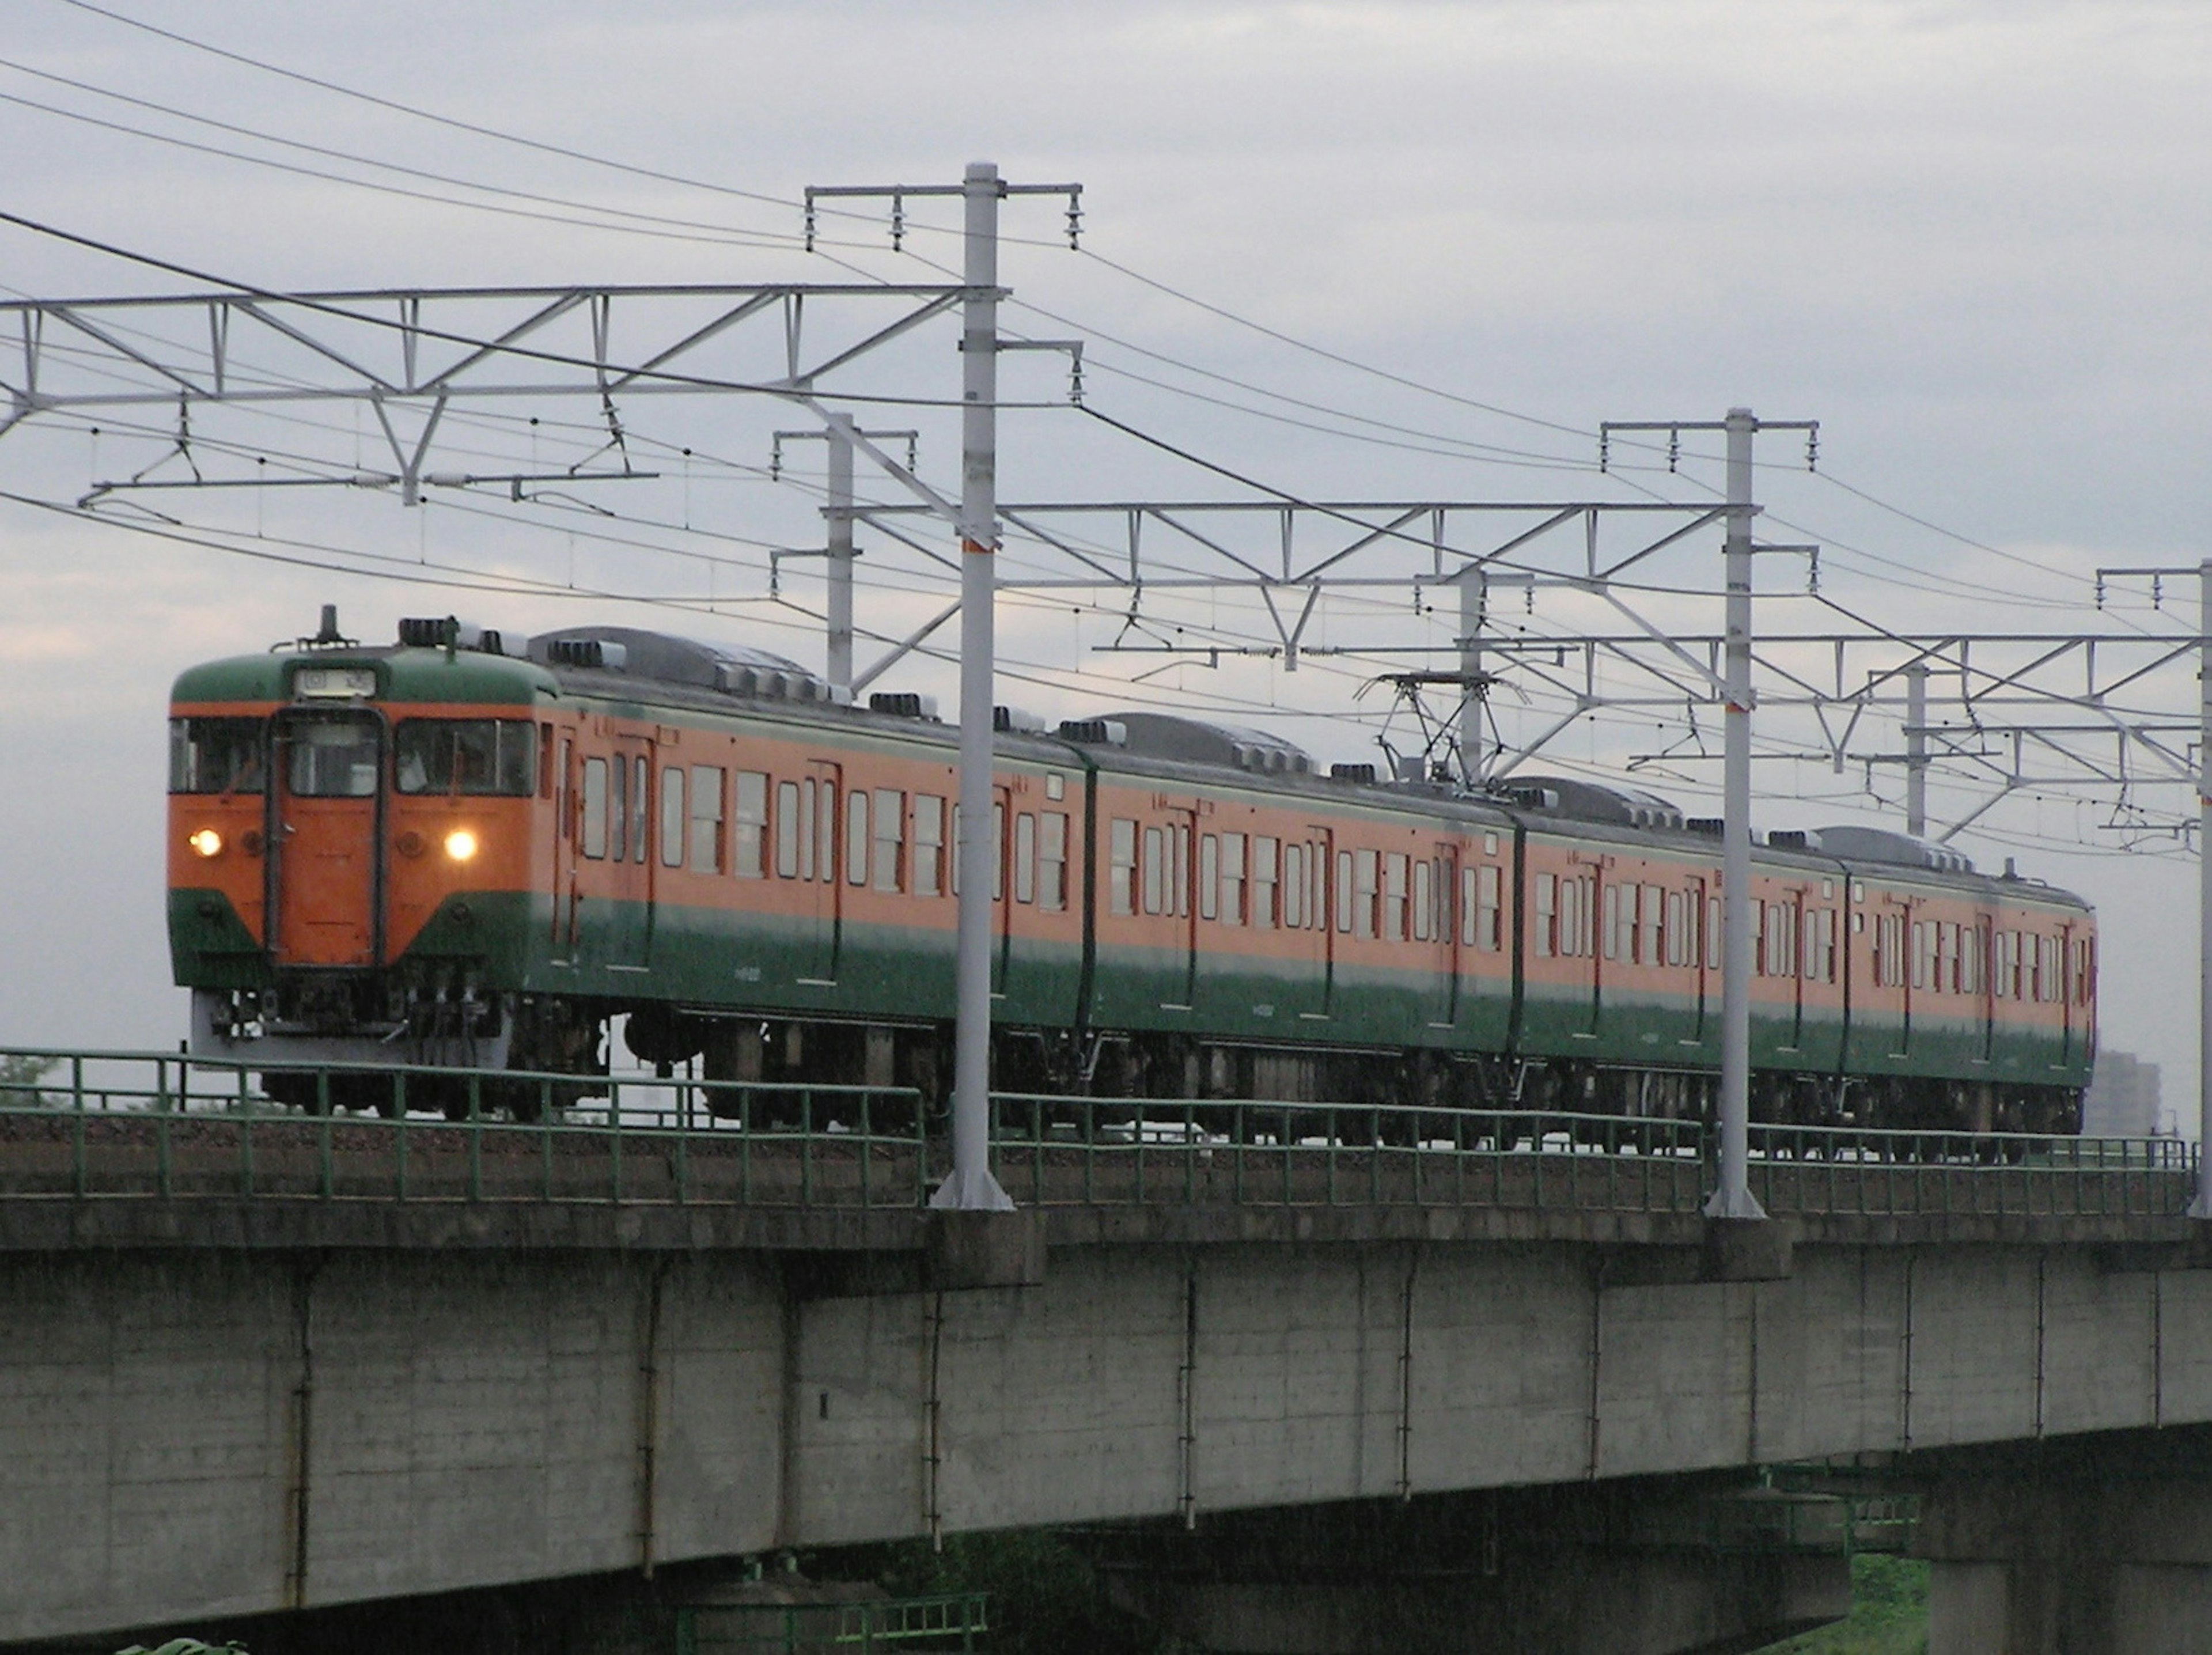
{"x": 482, "y": 756}
{"x": 216, "y": 755}
{"x": 331, "y": 758}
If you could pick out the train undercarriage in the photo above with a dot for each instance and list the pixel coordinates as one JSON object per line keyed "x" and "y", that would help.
{"x": 366, "y": 1025}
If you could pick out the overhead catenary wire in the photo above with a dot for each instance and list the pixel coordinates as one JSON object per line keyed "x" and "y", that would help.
{"x": 1154, "y": 283}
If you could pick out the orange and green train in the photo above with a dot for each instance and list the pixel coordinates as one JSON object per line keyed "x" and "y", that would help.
{"x": 465, "y": 850}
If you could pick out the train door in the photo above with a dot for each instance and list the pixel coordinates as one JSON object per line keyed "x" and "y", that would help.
{"x": 1182, "y": 865}
{"x": 629, "y": 862}
{"x": 1702, "y": 943}
{"x": 2068, "y": 1049}
{"x": 1584, "y": 934}
{"x": 1002, "y": 905}
{"x": 1435, "y": 882}
{"x": 563, "y": 946}
{"x": 815, "y": 841}
{"x": 323, "y": 846}
{"x": 1321, "y": 911}
{"x": 1985, "y": 981}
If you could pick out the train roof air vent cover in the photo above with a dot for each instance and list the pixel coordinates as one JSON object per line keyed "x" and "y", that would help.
{"x": 1193, "y": 741}
{"x": 1592, "y": 801}
{"x": 1094, "y": 732}
{"x": 731, "y": 669}
{"x": 594, "y": 655}
{"x": 902, "y": 703}
{"x": 1866, "y": 844}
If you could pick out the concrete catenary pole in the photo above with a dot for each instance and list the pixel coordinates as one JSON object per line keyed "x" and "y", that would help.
{"x": 2202, "y": 1206}
{"x": 1732, "y": 1197}
{"x": 971, "y": 1185}
{"x": 1916, "y": 749}
{"x": 840, "y": 605}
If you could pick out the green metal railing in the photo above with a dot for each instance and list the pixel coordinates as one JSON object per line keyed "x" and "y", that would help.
{"x": 125, "y": 1124}
{"x": 952, "y": 1621}
{"x": 1843, "y": 1170}
{"x": 1054, "y": 1151}
{"x": 155, "y": 1123}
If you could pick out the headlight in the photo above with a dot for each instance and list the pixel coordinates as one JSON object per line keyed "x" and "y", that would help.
{"x": 461, "y": 844}
{"x": 206, "y": 843}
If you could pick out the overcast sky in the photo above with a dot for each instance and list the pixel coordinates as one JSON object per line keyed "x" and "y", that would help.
{"x": 1969, "y": 239}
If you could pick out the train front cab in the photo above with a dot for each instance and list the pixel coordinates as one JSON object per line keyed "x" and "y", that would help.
{"x": 343, "y": 863}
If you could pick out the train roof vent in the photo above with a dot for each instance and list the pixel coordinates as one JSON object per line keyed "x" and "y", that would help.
{"x": 1351, "y": 772}
{"x": 1095, "y": 731}
{"x": 1793, "y": 839}
{"x": 432, "y": 631}
{"x": 594, "y": 653}
{"x": 1192, "y": 741}
{"x": 1710, "y": 827}
{"x": 730, "y": 668}
{"x": 1868, "y": 844}
{"x": 1593, "y": 801}
{"x": 903, "y": 704}
{"x": 1013, "y": 721}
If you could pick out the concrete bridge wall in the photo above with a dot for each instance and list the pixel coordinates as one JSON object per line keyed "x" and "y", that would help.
{"x": 191, "y": 1429}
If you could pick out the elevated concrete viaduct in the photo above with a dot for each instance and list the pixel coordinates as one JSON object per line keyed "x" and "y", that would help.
{"x": 220, "y": 1406}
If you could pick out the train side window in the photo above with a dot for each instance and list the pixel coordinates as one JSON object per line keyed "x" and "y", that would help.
{"x": 889, "y": 839}
{"x": 1424, "y": 899}
{"x": 1714, "y": 928}
{"x": 1393, "y": 917}
{"x": 787, "y": 835}
{"x": 1025, "y": 857}
{"x": 545, "y": 772}
{"x": 1366, "y": 866}
{"x": 216, "y": 755}
{"x": 1232, "y": 879}
{"x": 477, "y": 757}
{"x": 998, "y": 853}
{"x": 856, "y": 836}
{"x": 618, "y": 811}
{"x": 749, "y": 826}
{"x": 672, "y": 815}
{"x": 565, "y": 790}
{"x": 1209, "y": 877}
{"x": 595, "y": 809}
{"x": 1294, "y": 886}
{"x": 641, "y": 770}
{"x": 817, "y": 830}
{"x": 1155, "y": 869}
{"x": 1610, "y": 925}
{"x": 1344, "y": 898}
{"x": 928, "y": 844}
{"x": 1052, "y": 860}
{"x": 1179, "y": 892}
{"x": 1654, "y": 920}
{"x": 1675, "y": 911}
{"x": 1122, "y": 866}
{"x": 1546, "y": 941}
{"x": 1263, "y": 882}
{"x": 706, "y": 819}
{"x": 1488, "y": 908}
{"x": 2085, "y": 978}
